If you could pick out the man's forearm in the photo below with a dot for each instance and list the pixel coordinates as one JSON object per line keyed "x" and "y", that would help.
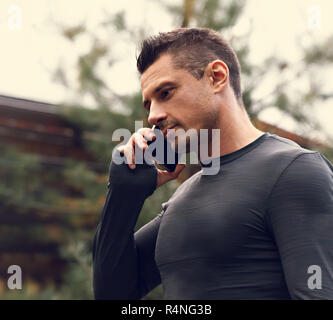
{"x": 115, "y": 261}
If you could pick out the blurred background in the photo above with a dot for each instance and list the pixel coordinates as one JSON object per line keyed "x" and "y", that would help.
{"x": 68, "y": 80}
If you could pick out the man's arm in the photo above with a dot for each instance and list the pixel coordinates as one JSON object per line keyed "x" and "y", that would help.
{"x": 123, "y": 262}
{"x": 300, "y": 217}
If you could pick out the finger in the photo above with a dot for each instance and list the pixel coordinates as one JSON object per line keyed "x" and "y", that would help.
{"x": 165, "y": 176}
{"x": 139, "y": 140}
{"x": 177, "y": 171}
{"x": 121, "y": 148}
{"x": 129, "y": 154}
{"x": 179, "y": 168}
{"x": 147, "y": 133}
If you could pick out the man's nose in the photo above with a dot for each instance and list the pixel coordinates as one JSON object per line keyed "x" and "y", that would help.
{"x": 156, "y": 114}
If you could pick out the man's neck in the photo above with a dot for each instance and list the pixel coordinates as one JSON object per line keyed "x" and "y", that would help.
{"x": 236, "y": 132}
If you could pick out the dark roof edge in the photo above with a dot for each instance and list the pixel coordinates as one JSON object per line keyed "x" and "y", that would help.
{"x": 27, "y": 104}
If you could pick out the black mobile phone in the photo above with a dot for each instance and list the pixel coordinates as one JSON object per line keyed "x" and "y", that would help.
{"x": 162, "y": 160}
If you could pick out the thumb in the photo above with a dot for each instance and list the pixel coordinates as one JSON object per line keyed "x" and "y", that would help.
{"x": 179, "y": 169}
{"x": 165, "y": 176}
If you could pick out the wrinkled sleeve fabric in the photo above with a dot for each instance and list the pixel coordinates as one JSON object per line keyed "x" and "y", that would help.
{"x": 300, "y": 217}
{"x": 123, "y": 261}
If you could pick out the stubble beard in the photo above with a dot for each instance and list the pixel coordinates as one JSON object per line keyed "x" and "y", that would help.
{"x": 210, "y": 122}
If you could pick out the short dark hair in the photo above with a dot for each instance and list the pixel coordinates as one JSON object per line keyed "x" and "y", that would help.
{"x": 192, "y": 49}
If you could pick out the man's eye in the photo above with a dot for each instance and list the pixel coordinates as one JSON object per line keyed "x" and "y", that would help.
{"x": 165, "y": 93}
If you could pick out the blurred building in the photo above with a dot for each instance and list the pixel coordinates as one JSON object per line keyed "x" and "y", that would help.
{"x": 36, "y": 128}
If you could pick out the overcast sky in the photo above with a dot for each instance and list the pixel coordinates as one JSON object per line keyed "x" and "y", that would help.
{"x": 32, "y": 51}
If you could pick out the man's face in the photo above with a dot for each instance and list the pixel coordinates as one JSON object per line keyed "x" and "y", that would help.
{"x": 175, "y": 98}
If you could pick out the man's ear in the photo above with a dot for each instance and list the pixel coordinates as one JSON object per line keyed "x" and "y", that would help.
{"x": 218, "y": 74}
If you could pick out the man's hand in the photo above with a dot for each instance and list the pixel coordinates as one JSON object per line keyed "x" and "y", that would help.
{"x": 140, "y": 138}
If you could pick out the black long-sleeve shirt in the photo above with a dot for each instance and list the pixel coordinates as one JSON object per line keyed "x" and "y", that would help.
{"x": 255, "y": 230}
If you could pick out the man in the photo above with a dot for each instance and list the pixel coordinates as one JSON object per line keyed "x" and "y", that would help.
{"x": 261, "y": 228}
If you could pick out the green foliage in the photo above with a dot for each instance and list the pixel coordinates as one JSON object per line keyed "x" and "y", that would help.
{"x": 83, "y": 180}
{"x": 216, "y": 15}
{"x": 88, "y": 80}
{"x": 78, "y": 279}
{"x": 72, "y": 32}
{"x": 119, "y": 21}
{"x": 21, "y": 179}
{"x": 321, "y": 53}
{"x": 47, "y": 293}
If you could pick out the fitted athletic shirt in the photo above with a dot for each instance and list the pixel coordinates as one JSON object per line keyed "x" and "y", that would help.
{"x": 261, "y": 228}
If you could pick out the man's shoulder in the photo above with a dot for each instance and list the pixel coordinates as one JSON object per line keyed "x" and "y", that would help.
{"x": 277, "y": 153}
{"x": 280, "y": 147}
{"x": 295, "y": 151}
{"x": 277, "y": 157}
{"x": 300, "y": 168}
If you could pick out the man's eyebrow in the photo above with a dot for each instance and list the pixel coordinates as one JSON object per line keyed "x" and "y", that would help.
{"x": 160, "y": 86}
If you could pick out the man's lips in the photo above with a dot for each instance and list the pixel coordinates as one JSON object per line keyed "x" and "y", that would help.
{"x": 165, "y": 131}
